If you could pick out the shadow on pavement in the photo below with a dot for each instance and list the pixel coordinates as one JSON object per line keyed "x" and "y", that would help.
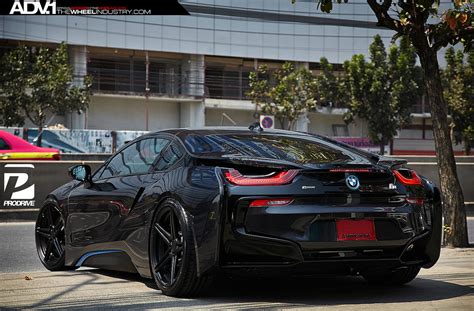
{"x": 280, "y": 293}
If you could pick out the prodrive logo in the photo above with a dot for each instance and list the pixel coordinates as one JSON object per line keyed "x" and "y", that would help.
{"x": 18, "y": 190}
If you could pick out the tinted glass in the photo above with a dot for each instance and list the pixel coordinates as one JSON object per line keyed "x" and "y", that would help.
{"x": 299, "y": 150}
{"x": 169, "y": 157}
{"x": 4, "y": 145}
{"x": 136, "y": 158}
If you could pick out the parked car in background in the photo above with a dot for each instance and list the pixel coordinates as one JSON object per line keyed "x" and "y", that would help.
{"x": 14, "y": 148}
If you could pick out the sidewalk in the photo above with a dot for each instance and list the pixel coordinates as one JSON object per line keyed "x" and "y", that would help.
{"x": 448, "y": 285}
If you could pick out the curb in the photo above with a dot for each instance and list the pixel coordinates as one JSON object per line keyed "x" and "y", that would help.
{"x": 18, "y": 215}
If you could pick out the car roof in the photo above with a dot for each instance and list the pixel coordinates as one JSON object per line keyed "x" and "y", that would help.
{"x": 16, "y": 142}
{"x": 213, "y": 130}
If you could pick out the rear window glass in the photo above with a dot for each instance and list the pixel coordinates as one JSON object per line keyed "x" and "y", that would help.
{"x": 287, "y": 148}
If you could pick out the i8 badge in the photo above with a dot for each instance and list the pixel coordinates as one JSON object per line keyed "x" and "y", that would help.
{"x": 352, "y": 182}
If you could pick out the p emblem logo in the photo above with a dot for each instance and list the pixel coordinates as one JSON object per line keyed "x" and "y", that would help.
{"x": 17, "y": 189}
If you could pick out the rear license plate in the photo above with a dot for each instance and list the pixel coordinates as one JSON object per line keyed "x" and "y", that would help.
{"x": 355, "y": 230}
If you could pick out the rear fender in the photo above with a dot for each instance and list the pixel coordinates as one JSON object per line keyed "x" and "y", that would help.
{"x": 433, "y": 246}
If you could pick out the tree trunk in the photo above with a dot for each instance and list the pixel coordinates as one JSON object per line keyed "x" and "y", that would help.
{"x": 40, "y": 136}
{"x": 467, "y": 147}
{"x": 451, "y": 193}
{"x": 382, "y": 146}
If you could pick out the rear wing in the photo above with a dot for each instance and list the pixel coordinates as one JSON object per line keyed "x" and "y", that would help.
{"x": 391, "y": 162}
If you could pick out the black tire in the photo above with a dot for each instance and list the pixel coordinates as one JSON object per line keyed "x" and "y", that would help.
{"x": 397, "y": 277}
{"x": 50, "y": 238}
{"x": 170, "y": 247}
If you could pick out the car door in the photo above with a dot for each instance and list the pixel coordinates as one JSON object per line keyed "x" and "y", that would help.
{"x": 97, "y": 212}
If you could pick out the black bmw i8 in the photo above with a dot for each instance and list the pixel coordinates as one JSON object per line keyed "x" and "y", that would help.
{"x": 183, "y": 205}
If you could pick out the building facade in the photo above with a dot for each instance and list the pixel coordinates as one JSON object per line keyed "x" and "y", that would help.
{"x": 156, "y": 72}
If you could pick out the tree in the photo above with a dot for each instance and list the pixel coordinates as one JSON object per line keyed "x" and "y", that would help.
{"x": 458, "y": 92}
{"x": 292, "y": 94}
{"x": 383, "y": 90}
{"x": 430, "y": 28}
{"x": 328, "y": 86}
{"x": 35, "y": 83}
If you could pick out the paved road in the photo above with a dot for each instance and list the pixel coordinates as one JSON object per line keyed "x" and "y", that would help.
{"x": 447, "y": 285}
{"x": 18, "y": 252}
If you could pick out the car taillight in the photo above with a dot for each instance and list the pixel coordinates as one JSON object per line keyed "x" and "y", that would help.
{"x": 411, "y": 180}
{"x": 56, "y": 156}
{"x": 282, "y": 178}
{"x": 270, "y": 202}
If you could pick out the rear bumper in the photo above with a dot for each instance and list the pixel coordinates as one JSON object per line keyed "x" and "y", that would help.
{"x": 303, "y": 239}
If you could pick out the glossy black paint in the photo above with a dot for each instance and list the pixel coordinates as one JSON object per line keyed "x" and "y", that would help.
{"x": 115, "y": 214}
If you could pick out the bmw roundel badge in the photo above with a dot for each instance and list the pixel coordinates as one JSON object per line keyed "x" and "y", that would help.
{"x": 352, "y": 182}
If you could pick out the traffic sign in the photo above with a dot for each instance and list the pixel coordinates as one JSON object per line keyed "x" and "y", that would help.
{"x": 267, "y": 122}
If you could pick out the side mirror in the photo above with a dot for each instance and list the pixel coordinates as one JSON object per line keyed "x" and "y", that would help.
{"x": 81, "y": 173}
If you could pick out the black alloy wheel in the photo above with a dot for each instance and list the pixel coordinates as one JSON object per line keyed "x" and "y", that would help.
{"x": 169, "y": 246}
{"x": 172, "y": 254}
{"x": 50, "y": 237}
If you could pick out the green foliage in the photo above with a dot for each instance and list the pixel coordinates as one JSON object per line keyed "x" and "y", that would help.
{"x": 383, "y": 90}
{"x": 458, "y": 82}
{"x": 330, "y": 89}
{"x": 292, "y": 94}
{"x": 34, "y": 83}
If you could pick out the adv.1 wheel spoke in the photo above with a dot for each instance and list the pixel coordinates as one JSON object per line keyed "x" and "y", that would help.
{"x": 172, "y": 226}
{"x": 57, "y": 247}
{"x": 49, "y": 249}
{"x": 173, "y": 269}
{"x": 165, "y": 236}
{"x": 49, "y": 216}
{"x": 43, "y": 232}
{"x": 162, "y": 262}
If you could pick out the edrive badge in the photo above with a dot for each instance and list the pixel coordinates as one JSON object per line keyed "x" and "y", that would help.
{"x": 352, "y": 182}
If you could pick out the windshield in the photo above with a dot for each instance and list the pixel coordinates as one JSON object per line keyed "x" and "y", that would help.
{"x": 300, "y": 150}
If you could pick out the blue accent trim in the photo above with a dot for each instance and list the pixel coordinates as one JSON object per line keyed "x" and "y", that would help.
{"x": 90, "y": 254}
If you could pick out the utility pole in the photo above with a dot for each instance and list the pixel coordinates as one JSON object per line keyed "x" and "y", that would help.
{"x": 147, "y": 89}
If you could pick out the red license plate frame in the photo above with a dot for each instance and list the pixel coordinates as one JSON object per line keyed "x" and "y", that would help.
{"x": 355, "y": 230}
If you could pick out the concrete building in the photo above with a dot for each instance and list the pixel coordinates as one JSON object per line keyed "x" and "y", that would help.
{"x": 196, "y": 67}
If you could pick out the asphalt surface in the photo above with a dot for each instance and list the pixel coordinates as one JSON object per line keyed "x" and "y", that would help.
{"x": 18, "y": 251}
{"x": 446, "y": 286}
{"x": 24, "y": 283}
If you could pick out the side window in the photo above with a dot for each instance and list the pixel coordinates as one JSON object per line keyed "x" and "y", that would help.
{"x": 136, "y": 158}
{"x": 169, "y": 157}
{"x": 4, "y": 145}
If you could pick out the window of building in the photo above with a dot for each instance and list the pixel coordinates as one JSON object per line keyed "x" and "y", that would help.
{"x": 340, "y": 130}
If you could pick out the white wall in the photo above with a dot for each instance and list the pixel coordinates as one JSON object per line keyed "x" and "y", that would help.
{"x": 241, "y": 117}
{"x": 321, "y": 123}
{"x": 128, "y": 113}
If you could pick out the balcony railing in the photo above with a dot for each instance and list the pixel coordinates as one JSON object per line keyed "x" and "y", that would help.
{"x": 131, "y": 78}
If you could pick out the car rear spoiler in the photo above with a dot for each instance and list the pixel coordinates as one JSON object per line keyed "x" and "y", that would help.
{"x": 391, "y": 162}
